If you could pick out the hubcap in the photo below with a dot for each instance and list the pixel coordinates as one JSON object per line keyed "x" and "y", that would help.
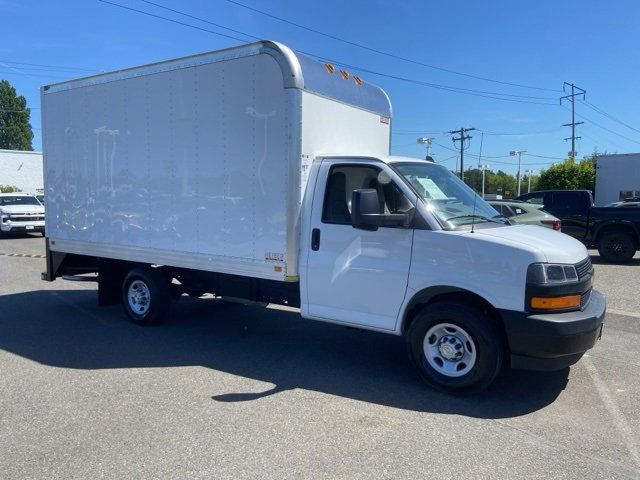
{"x": 449, "y": 349}
{"x": 139, "y": 297}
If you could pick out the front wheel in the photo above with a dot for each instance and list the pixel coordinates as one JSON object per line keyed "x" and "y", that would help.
{"x": 616, "y": 247}
{"x": 455, "y": 347}
{"x": 146, "y": 295}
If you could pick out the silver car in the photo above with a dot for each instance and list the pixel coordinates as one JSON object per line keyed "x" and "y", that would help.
{"x": 526, "y": 213}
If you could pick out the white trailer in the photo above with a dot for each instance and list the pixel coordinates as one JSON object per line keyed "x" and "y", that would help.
{"x": 260, "y": 173}
{"x": 200, "y": 162}
{"x": 617, "y": 177}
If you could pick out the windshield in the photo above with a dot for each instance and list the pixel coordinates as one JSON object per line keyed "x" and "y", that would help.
{"x": 448, "y": 197}
{"x": 19, "y": 200}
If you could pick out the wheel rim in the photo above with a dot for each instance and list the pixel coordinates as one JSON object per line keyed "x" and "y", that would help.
{"x": 139, "y": 297}
{"x": 449, "y": 350}
{"x": 616, "y": 247}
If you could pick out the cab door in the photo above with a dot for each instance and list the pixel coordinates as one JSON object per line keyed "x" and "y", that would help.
{"x": 357, "y": 276}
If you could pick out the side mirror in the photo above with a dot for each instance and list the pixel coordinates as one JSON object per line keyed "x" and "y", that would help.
{"x": 365, "y": 212}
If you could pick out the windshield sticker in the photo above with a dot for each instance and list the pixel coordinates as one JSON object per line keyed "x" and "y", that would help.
{"x": 432, "y": 190}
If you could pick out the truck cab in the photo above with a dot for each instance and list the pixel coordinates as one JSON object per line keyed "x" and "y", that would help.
{"x": 402, "y": 246}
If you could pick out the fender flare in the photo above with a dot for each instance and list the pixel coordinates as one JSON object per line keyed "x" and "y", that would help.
{"x": 426, "y": 294}
{"x": 613, "y": 224}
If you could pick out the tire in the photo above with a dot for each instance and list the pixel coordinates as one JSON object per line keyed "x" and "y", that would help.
{"x": 616, "y": 247}
{"x": 455, "y": 347}
{"x": 146, "y": 296}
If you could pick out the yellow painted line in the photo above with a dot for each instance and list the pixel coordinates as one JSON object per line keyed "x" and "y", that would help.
{"x": 22, "y": 255}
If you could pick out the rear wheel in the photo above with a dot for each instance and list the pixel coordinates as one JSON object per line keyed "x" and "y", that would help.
{"x": 146, "y": 295}
{"x": 616, "y": 247}
{"x": 455, "y": 347}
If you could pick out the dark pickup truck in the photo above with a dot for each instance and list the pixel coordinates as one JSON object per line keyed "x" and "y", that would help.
{"x": 615, "y": 232}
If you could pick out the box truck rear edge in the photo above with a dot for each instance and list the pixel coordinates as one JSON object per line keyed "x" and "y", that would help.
{"x": 259, "y": 173}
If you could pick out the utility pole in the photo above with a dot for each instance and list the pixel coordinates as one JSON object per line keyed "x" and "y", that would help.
{"x": 483, "y": 168}
{"x": 427, "y": 142}
{"x": 461, "y": 139}
{"x": 519, "y": 154}
{"x": 529, "y": 173}
{"x": 573, "y": 123}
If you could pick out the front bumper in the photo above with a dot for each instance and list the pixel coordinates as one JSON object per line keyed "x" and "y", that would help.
{"x": 9, "y": 226}
{"x": 553, "y": 341}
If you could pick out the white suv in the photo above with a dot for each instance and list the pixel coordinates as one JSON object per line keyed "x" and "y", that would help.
{"x": 20, "y": 213}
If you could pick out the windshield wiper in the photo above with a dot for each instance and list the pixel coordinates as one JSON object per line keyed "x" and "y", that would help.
{"x": 481, "y": 217}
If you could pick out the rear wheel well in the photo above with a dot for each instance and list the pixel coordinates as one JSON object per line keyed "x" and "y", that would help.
{"x": 429, "y": 297}
{"x": 618, "y": 228}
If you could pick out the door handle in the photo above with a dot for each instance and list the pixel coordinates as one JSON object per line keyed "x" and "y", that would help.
{"x": 315, "y": 239}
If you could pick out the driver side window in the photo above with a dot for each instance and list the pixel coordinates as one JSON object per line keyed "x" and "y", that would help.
{"x": 344, "y": 179}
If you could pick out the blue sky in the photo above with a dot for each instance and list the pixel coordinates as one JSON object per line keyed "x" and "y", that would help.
{"x": 540, "y": 44}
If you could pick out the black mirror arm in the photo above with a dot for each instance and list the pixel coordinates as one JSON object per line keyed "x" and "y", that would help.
{"x": 387, "y": 219}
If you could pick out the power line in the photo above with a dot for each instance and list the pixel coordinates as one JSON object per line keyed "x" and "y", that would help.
{"x": 543, "y": 156}
{"x": 520, "y": 134}
{"x": 605, "y": 128}
{"x": 602, "y": 112}
{"x": 414, "y": 132}
{"x": 172, "y": 20}
{"x": 485, "y": 132}
{"x": 475, "y": 155}
{"x": 23, "y": 65}
{"x": 599, "y": 138}
{"x": 29, "y": 74}
{"x": 200, "y": 19}
{"x": 382, "y": 52}
{"x": 447, "y": 159}
{"x": 470, "y": 154}
{"x": 464, "y": 91}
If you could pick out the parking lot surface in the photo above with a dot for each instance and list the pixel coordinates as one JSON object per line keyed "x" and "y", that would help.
{"x": 227, "y": 391}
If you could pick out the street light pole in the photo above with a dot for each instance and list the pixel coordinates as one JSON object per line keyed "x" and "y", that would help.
{"x": 427, "y": 142}
{"x": 483, "y": 168}
{"x": 529, "y": 173}
{"x": 519, "y": 154}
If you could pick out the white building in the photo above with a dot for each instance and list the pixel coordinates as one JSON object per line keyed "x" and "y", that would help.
{"x": 22, "y": 169}
{"x": 617, "y": 177}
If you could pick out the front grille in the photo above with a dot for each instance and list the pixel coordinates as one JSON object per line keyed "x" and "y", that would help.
{"x": 584, "y": 298}
{"x": 26, "y": 218}
{"x": 584, "y": 268}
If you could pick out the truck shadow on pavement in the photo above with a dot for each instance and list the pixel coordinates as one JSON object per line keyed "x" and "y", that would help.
{"x": 66, "y": 329}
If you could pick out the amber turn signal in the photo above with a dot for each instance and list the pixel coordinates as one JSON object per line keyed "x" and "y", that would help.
{"x": 555, "y": 303}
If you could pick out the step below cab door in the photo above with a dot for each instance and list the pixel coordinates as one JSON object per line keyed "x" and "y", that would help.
{"x": 357, "y": 276}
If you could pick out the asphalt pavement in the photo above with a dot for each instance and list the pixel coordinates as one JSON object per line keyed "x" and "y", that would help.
{"x": 228, "y": 391}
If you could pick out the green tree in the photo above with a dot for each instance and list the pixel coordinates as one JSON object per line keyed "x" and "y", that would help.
{"x": 473, "y": 178}
{"x": 569, "y": 175}
{"x": 502, "y": 183}
{"x": 524, "y": 185}
{"x": 9, "y": 189}
{"x": 494, "y": 183}
{"x": 15, "y": 129}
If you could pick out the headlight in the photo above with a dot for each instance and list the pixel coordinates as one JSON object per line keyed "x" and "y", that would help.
{"x": 551, "y": 273}
{"x": 552, "y": 287}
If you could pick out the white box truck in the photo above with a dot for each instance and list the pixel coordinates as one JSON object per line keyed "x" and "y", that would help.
{"x": 260, "y": 173}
